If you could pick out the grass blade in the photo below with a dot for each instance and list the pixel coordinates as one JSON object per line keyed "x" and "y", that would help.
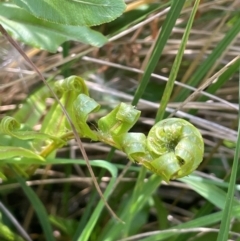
{"x": 167, "y": 27}
{"x": 210, "y": 61}
{"x": 226, "y": 218}
{"x": 38, "y": 207}
{"x": 177, "y": 62}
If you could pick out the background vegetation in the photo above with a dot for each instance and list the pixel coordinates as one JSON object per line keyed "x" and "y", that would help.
{"x": 150, "y": 37}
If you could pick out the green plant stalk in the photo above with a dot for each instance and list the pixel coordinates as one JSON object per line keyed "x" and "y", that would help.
{"x": 227, "y": 212}
{"x": 162, "y": 212}
{"x": 66, "y": 67}
{"x": 38, "y": 207}
{"x": 137, "y": 192}
{"x": 88, "y": 211}
{"x": 166, "y": 30}
{"x": 66, "y": 190}
{"x": 55, "y": 145}
{"x": 177, "y": 62}
{"x": 112, "y": 230}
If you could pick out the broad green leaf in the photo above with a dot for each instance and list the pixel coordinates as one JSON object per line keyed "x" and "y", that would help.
{"x": 74, "y": 12}
{"x": 133, "y": 17}
{"x": 42, "y": 34}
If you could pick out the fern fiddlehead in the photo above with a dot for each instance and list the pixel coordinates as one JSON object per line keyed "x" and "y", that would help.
{"x": 172, "y": 149}
{"x": 176, "y": 146}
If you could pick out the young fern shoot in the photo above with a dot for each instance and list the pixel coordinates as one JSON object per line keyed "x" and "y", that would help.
{"x": 173, "y": 148}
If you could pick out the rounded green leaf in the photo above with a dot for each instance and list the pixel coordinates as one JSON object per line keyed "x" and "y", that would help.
{"x": 42, "y": 34}
{"x": 74, "y": 12}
